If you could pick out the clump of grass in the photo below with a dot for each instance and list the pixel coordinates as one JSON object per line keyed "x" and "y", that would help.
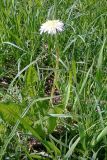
{"x": 75, "y": 127}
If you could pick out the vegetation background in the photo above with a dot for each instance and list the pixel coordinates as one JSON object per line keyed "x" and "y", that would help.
{"x": 31, "y": 126}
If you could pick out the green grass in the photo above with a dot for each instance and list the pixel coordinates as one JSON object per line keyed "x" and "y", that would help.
{"x": 75, "y": 128}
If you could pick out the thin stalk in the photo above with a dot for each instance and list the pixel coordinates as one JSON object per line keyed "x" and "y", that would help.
{"x": 55, "y": 9}
{"x": 56, "y": 76}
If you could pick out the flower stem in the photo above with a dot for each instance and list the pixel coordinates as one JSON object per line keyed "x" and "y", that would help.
{"x": 55, "y": 8}
{"x": 56, "y": 76}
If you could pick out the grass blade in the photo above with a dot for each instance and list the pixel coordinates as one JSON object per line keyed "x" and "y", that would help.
{"x": 71, "y": 149}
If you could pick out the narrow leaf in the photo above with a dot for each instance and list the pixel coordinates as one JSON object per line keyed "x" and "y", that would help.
{"x": 71, "y": 149}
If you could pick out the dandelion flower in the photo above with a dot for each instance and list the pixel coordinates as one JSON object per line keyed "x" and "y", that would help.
{"x": 52, "y": 27}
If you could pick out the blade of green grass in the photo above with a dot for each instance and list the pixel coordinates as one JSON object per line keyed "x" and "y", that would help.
{"x": 71, "y": 149}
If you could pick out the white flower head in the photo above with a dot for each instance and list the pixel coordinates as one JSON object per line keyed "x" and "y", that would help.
{"x": 52, "y": 27}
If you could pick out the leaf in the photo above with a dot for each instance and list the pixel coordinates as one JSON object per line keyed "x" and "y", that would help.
{"x": 83, "y": 136}
{"x": 68, "y": 89}
{"x": 100, "y": 62}
{"x": 69, "y": 43}
{"x": 95, "y": 154}
{"x": 11, "y": 135}
{"x": 100, "y": 58}
{"x": 14, "y": 45}
{"x": 51, "y": 147}
{"x": 40, "y": 129}
{"x": 71, "y": 149}
{"x": 31, "y": 79}
{"x": 16, "y": 115}
{"x": 61, "y": 115}
{"x": 51, "y": 122}
{"x": 23, "y": 70}
{"x": 2, "y": 130}
{"x": 60, "y": 60}
{"x": 102, "y": 134}
{"x": 82, "y": 86}
{"x": 5, "y": 108}
{"x": 74, "y": 70}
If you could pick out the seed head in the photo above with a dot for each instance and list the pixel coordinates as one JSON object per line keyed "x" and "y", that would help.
{"x": 52, "y": 27}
